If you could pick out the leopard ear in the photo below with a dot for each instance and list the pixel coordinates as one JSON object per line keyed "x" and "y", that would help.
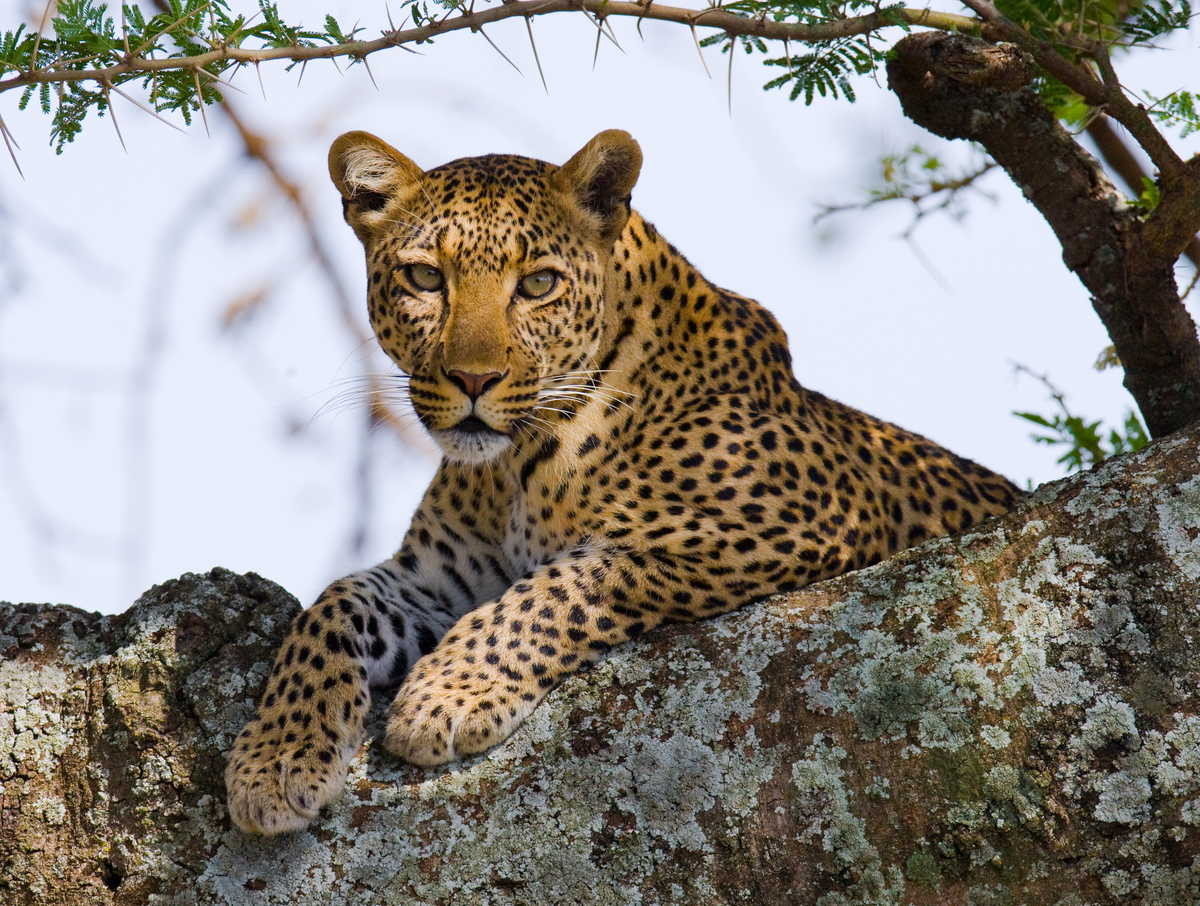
{"x": 600, "y": 178}
{"x": 368, "y": 171}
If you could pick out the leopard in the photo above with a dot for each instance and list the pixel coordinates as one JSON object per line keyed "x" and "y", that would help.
{"x": 624, "y": 445}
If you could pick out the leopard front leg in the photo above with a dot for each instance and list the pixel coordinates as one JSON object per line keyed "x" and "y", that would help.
{"x": 498, "y": 661}
{"x": 291, "y": 758}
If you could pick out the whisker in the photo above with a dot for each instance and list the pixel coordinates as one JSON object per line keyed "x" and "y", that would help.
{"x": 585, "y": 371}
{"x": 557, "y": 382}
{"x": 583, "y": 396}
{"x": 541, "y": 421}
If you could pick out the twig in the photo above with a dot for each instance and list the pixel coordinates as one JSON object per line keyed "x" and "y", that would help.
{"x": 1191, "y": 286}
{"x": 499, "y": 51}
{"x": 112, "y": 115}
{"x": 699, "y": 49}
{"x": 37, "y": 40}
{"x": 201, "y": 104}
{"x": 1059, "y": 397}
{"x": 536, "y": 58}
{"x": 10, "y": 142}
{"x": 947, "y": 188}
{"x": 154, "y": 113}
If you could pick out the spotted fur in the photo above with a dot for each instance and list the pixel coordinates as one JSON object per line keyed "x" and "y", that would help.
{"x": 641, "y": 453}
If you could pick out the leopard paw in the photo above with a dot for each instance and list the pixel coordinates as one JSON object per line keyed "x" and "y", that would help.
{"x": 441, "y": 714}
{"x": 282, "y": 771}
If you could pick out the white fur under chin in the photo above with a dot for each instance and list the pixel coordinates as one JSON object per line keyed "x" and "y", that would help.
{"x": 471, "y": 447}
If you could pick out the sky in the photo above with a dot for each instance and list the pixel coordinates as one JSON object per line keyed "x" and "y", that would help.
{"x": 140, "y": 439}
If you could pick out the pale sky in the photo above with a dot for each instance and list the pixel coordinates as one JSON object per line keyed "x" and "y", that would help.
{"x": 237, "y": 473}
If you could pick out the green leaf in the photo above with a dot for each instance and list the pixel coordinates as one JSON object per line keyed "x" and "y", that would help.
{"x": 1178, "y": 110}
{"x": 1036, "y": 419}
{"x": 1149, "y": 197}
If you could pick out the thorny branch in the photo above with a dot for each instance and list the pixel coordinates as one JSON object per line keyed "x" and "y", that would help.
{"x": 712, "y": 17}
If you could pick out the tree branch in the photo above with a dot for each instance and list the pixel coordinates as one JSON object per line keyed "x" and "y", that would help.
{"x": 1105, "y": 92}
{"x": 1120, "y": 159}
{"x": 730, "y": 23}
{"x": 961, "y": 87}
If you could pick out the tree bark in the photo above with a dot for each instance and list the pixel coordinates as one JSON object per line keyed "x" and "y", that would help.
{"x": 961, "y": 87}
{"x": 1011, "y": 716}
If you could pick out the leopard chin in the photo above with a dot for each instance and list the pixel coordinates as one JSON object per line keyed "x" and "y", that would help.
{"x": 471, "y": 447}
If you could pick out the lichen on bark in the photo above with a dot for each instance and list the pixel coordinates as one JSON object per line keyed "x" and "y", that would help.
{"x": 1009, "y": 716}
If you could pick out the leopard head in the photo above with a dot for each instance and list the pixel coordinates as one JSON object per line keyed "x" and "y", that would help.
{"x": 487, "y": 277}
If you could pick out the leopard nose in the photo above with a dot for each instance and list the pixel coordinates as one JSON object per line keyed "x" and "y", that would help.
{"x": 473, "y": 385}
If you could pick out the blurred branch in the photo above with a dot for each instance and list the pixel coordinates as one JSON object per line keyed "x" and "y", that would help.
{"x": 258, "y": 148}
{"x": 29, "y": 224}
{"x": 46, "y": 531}
{"x": 379, "y": 411}
{"x": 899, "y": 185}
{"x": 143, "y": 377}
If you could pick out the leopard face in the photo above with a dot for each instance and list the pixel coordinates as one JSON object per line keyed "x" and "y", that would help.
{"x": 487, "y": 279}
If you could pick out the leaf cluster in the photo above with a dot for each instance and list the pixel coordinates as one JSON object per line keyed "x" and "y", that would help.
{"x": 826, "y": 69}
{"x": 1070, "y": 25}
{"x": 1074, "y": 27}
{"x": 1150, "y": 21}
{"x": 909, "y": 172}
{"x": 1087, "y": 442}
{"x": 89, "y": 35}
{"x": 1180, "y": 109}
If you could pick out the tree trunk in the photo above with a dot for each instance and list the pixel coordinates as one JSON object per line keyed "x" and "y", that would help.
{"x": 961, "y": 87}
{"x": 1011, "y": 716}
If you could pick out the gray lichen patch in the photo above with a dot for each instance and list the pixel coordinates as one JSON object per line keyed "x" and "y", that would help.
{"x": 1179, "y": 526}
{"x": 1007, "y": 717}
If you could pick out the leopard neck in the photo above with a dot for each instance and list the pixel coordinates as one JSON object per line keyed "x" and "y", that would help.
{"x": 645, "y": 276}
{"x": 663, "y": 318}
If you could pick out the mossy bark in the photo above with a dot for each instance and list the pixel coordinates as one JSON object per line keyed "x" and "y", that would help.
{"x": 1006, "y": 717}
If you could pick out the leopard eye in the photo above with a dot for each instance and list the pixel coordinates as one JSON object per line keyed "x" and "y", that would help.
{"x": 425, "y": 277}
{"x": 538, "y": 284}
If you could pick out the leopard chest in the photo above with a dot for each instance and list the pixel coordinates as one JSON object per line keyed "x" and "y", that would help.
{"x": 547, "y": 515}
